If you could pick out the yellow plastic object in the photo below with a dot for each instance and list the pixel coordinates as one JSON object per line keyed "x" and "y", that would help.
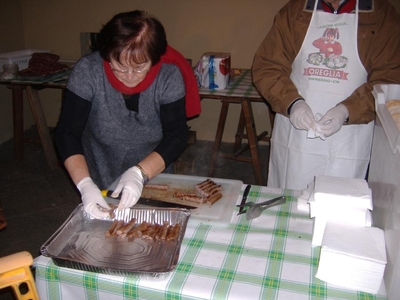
{"x": 15, "y": 272}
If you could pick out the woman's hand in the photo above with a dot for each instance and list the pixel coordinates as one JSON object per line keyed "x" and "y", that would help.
{"x": 91, "y": 198}
{"x": 131, "y": 185}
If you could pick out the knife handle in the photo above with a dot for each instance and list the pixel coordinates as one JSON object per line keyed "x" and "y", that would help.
{"x": 107, "y": 193}
{"x": 244, "y": 198}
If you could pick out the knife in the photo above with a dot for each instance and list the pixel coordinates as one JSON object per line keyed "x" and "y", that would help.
{"x": 151, "y": 202}
{"x": 244, "y": 198}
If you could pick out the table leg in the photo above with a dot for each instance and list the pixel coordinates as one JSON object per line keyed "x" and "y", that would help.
{"x": 40, "y": 120}
{"x": 3, "y": 222}
{"x": 218, "y": 137}
{"x": 252, "y": 140}
{"x": 18, "y": 121}
{"x": 239, "y": 132}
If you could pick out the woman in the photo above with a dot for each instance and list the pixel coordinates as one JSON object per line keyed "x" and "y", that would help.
{"x": 125, "y": 109}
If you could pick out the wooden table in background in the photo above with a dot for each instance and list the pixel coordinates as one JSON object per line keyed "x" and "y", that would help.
{"x": 3, "y": 222}
{"x": 240, "y": 90}
{"x": 32, "y": 89}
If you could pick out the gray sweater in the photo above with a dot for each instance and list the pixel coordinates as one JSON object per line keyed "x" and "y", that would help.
{"x": 116, "y": 138}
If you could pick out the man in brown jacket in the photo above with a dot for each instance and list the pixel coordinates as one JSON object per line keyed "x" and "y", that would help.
{"x": 315, "y": 92}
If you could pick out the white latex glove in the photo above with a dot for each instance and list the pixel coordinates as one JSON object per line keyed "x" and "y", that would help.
{"x": 302, "y": 117}
{"x": 91, "y": 197}
{"x": 333, "y": 120}
{"x": 131, "y": 185}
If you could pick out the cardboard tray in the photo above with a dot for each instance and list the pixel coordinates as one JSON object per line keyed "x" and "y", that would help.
{"x": 219, "y": 213}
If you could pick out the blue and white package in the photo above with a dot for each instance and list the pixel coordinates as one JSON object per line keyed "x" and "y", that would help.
{"x": 213, "y": 70}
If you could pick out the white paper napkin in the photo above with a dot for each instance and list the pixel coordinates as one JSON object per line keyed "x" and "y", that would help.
{"x": 353, "y": 257}
{"x": 318, "y": 230}
{"x": 362, "y": 242}
{"x": 302, "y": 200}
{"x": 345, "y": 192}
{"x": 351, "y": 217}
{"x": 313, "y": 134}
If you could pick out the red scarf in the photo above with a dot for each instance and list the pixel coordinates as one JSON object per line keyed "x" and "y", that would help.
{"x": 193, "y": 106}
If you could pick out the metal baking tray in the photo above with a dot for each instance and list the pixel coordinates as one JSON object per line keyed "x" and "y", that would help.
{"x": 80, "y": 243}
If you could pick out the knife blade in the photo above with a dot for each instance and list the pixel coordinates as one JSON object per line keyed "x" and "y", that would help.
{"x": 244, "y": 198}
{"x": 151, "y": 202}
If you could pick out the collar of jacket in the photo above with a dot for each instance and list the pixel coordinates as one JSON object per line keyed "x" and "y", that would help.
{"x": 363, "y": 5}
{"x": 346, "y": 7}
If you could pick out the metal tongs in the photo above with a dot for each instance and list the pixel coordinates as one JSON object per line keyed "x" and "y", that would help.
{"x": 254, "y": 210}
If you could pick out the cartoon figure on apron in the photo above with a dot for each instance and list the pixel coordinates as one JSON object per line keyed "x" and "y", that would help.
{"x": 327, "y": 44}
{"x": 323, "y": 81}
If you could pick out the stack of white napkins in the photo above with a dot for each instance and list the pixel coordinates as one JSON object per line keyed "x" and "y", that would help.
{"x": 352, "y": 257}
{"x": 343, "y": 200}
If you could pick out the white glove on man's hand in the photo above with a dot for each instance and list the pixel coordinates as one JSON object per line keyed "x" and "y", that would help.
{"x": 131, "y": 185}
{"x": 333, "y": 120}
{"x": 91, "y": 197}
{"x": 301, "y": 116}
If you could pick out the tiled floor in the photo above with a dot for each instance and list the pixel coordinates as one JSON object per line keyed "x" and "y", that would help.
{"x": 37, "y": 200}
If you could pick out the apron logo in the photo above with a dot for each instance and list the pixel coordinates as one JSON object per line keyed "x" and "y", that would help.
{"x": 325, "y": 73}
{"x": 329, "y": 55}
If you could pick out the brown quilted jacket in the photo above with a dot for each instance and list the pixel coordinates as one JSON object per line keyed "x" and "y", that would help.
{"x": 378, "y": 47}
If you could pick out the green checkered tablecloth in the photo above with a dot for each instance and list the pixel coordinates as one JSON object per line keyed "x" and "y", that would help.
{"x": 267, "y": 258}
{"x": 240, "y": 85}
{"x": 59, "y": 79}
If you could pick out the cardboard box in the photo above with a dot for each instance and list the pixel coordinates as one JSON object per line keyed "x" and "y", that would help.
{"x": 20, "y": 58}
{"x": 384, "y": 178}
{"x": 382, "y": 94}
{"x": 213, "y": 70}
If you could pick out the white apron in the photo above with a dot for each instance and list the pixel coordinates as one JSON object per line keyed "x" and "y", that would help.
{"x": 325, "y": 74}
